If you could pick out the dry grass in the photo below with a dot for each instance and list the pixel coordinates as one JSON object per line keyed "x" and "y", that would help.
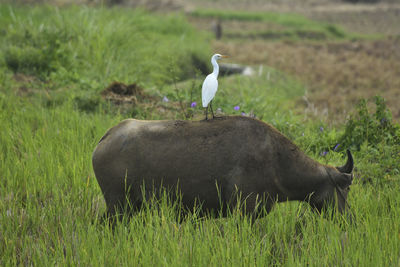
{"x": 337, "y": 74}
{"x": 119, "y": 93}
{"x": 369, "y": 19}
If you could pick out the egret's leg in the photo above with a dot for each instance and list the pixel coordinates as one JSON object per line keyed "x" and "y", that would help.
{"x": 212, "y": 109}
{"x": 214, "y": 117}
{"x": 206, "y": 112}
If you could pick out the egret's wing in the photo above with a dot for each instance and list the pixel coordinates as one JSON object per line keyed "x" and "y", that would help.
{"x": 210, "y": 86}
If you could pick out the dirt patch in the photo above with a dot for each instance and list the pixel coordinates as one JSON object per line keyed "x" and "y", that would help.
{"x": 20, "y": 77}
{"x": 119, "y": 93}
{"x": 24, "y": 84}
{"x": 135, "y": 101}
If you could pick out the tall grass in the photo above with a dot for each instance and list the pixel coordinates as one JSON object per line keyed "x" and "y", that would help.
{"x": 51, "y": 206}
{"x": 96, "y": 45}
{"x": 261, "y": 94}
{"x": 51, "y": 209}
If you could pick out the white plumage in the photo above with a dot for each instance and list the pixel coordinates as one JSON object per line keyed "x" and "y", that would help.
{"x": 210, "y": 84}
{"x": 210, "y": 87}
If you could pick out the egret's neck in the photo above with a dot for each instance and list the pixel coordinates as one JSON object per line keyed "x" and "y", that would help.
{"x": 215, "y": 67}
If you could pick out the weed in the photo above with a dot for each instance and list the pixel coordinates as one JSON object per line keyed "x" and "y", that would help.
{"x": 372, "y": 128}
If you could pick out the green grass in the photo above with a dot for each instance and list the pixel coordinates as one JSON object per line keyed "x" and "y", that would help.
{"x": 292, "y": 26}
{"x": 269, "y": 96}
{"x": 95, "y": 45}
{"x": 51, "y": 205}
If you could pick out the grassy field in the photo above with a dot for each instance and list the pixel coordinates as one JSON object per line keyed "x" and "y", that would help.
{"x": 279, "y": 26}
{"x": 54, "y": 65}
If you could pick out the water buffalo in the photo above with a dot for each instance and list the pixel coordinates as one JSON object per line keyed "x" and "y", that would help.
{"x": 211, "y": 162}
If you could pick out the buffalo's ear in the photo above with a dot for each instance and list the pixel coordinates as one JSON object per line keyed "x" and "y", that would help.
{"x": 348, "y": 167}
{"x": 344, "y": 180}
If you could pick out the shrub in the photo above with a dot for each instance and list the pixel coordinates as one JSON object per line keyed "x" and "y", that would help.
{"x": 373, "y": 128}
{"x": 37, "y": 52}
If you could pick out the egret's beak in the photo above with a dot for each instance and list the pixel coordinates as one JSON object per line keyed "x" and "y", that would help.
{"x": 224, "y": 56}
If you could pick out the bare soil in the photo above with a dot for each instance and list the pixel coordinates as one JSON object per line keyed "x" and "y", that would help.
{"x": 131, "y": 98}
{"x": 120, "y": 93}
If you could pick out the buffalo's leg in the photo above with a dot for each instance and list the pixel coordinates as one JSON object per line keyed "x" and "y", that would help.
{"x": 115, "y": 204}
{"x": 121, "y": 202}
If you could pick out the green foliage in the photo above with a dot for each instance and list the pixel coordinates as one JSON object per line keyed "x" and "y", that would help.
{"x": 264, "y": 96}
{"x": 280, "y": 18}
{"x": 67, "y": 44}
{"x": 379, "y": 164}
{"x": 319, "y": 139}
{"x": 37, "y": 52}
{"x": 373, "y": 128}
{"x": 88, "y": 103}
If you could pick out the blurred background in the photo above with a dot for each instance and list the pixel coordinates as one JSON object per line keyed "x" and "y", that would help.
{"x": 340, "y": 50}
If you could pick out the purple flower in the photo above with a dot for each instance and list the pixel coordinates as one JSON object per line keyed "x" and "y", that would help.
{"x": 323, "y": 153}
{"x": 236, "y": 108}
{"x": 336, "y": 147}
{"x": 302, "y": 134}
{"x": 243, "y": 114}
{"x": 165, "y": 99}
{"x": 194, "y": 104}
{"x": 321, "y": 129}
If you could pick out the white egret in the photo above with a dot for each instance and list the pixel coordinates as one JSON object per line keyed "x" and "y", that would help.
{"x": 210, "y": 84}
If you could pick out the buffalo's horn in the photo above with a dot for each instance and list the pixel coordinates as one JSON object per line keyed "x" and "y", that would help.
{"x": 348, "y": 167}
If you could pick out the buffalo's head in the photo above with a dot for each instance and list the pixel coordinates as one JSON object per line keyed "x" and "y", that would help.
{"x": 336, "y": 186}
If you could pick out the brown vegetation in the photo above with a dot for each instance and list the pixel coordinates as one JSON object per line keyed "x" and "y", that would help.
{"x": 120, "y": 93}
{"x": 337, "y": 74}
{"x": 24, "y": 84}
{"x": 132, "y": 99}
